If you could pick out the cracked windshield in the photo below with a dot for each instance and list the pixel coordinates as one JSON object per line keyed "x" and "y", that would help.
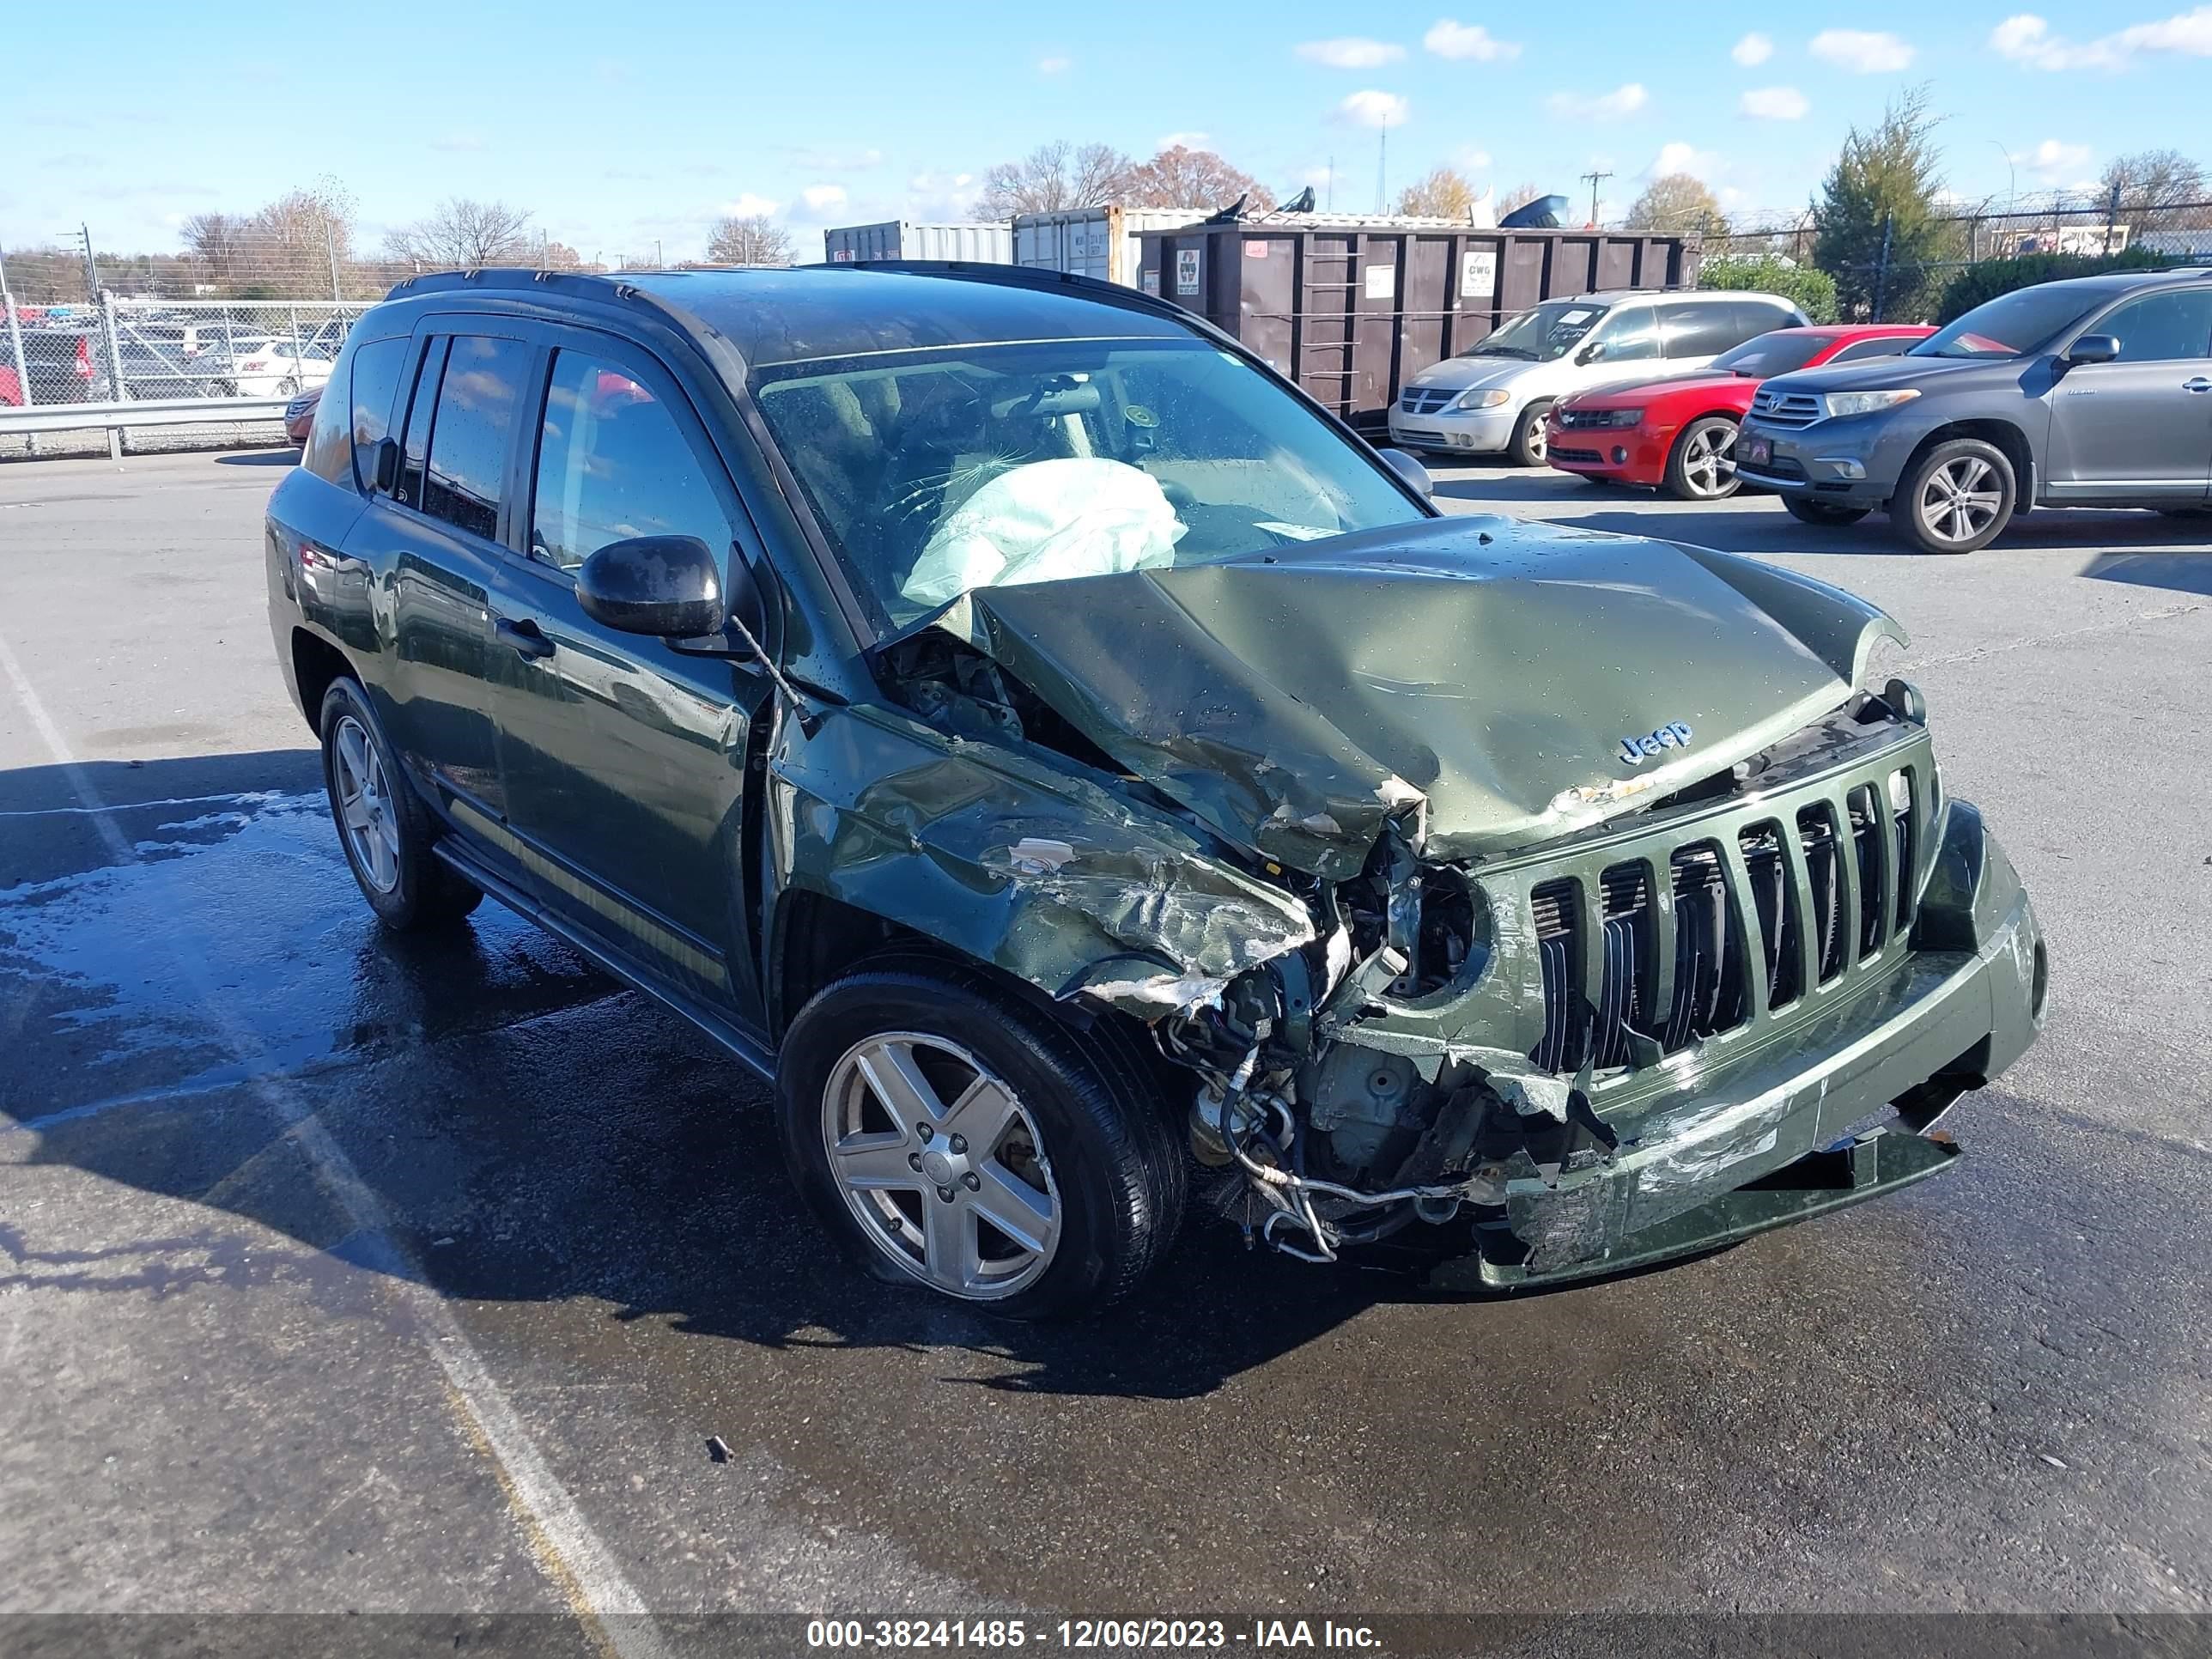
{"x": 937, "y": 472}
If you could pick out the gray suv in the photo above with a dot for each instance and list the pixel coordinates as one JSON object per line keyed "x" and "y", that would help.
{"x": 2093, "y": 393}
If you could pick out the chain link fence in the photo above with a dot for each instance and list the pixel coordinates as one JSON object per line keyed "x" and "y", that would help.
{"x": 120, "y": 351}
{"x": 1889, "y": 276}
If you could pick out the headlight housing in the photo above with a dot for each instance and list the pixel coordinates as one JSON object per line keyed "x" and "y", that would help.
{"x": 1588, "y": 419}
{"x": 1483, "y": 398}
{"x": 1866, "y": 403}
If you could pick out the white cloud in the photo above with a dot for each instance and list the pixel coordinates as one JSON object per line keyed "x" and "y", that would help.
{"x": 1350, "y": 51}
{"x": 1054, "y": 65}
{"x": 1617, "y": 104}
{"x": 1182, "y": 141}
{"x": 1774, "y": 104}
{"x": 1374, "y": 109}
{"x": 1450, "y": 39}
{"x": 1679, "y": 157}
{"x": 823, "y": 198}
{"x": 751, "y": 205}
{"x": 2053, "y": 160}
{"x": 1861, "y": 52}
{"x": 1469, "y": 159}
{"x": 1752, "y": 51}
{"x": 2027, "y": 39}
{"x": 458, "y": 142}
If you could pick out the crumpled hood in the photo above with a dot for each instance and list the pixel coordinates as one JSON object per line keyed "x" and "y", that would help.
{"x": 1475, "y": 677}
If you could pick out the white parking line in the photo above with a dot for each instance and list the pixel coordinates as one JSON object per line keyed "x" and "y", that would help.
{"x": 570, "y": 1553}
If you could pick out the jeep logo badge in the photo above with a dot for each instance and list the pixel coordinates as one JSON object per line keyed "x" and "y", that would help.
{"x": 1673, "y": 735}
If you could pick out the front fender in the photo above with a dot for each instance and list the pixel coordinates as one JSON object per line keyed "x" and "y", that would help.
{"x": 1009, "y": 861}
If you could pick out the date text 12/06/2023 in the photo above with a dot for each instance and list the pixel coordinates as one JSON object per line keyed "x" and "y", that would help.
{"x": 1259, "y": 1635}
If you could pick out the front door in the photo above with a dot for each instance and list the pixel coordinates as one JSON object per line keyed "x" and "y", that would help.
{"x": 624, "y": 760}
{"x": 2139, "y": 428}
{"x": 432, "y": 549}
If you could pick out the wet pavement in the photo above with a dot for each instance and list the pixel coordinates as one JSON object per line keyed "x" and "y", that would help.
{"x": 340, "y": 1273}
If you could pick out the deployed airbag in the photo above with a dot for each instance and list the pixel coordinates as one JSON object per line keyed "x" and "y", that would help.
{"x": 1045, "y": 522}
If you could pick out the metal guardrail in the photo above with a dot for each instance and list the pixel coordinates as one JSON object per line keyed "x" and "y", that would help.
{"x": 116, "y": 418}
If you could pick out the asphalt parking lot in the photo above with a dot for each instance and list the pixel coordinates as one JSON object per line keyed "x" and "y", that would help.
{"x": 341, "y": 1274}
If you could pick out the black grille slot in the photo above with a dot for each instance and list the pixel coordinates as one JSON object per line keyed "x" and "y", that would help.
{"x": 1907, "y": 852}
{"x": 1816, "y": 836}
{"x": 1560, "y": 1048}
{"x": 1708, "y": 958}
{"x": 1625, "y": 902}
{"x": 1866, "y": 829}
{"x": 1774, "y": 895}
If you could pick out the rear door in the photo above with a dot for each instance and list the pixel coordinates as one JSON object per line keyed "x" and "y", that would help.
{"x": 2139, "y": 428}
{"x": 433, "y": 551}
{"x": 624, "y": 760}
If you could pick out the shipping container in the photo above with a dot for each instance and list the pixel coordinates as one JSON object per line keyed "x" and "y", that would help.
{"x": 1104, "y": 242}
{"x": 899, "y": 238}
{"x": 1353, "y": 309}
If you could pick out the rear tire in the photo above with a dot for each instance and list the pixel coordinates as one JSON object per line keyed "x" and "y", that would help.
{"x": 1529, "y": 446}
{"x": 385, "y": 829}
{"x": 1063, "y": 1134}
{"x": 1830, "y": 514}
{"x": 1957, "y": 498}
{"x": 1701, "y": 467}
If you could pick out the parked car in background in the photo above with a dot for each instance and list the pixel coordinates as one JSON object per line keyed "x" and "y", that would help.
{"x": 299, "y": 415}
{"x": 996, "y": 707}
{"x": 275, "y": 368}
{"x": 62, "y": 366}
{"x": 1678, "y": 433}
{"x": 2095, "y": 392}
{"x": 1495, "y": 396}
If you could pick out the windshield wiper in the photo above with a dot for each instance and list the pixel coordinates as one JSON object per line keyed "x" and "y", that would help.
{"x": 1502, "y": 351}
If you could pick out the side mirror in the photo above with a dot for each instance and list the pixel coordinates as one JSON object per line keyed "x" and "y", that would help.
{"x": 663, "y": 585}
{"x": 384, "y": 465}
{"x": 1592, "y": 352}
{"x": 1407, "y": 467}
{"x": 2093, "y": 348}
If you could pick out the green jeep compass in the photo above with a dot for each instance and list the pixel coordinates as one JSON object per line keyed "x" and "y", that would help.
{"x": 1077, "y": 770}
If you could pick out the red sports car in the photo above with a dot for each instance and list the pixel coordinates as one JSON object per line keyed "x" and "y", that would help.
{"x": 1680, "y": 434}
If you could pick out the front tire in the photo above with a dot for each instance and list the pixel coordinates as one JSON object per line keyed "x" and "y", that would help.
{"x": 1701, "y": 467}
{"x": 952, "y": 1136}
{"x": 1530, "y": 446}
{"x": 1831, "y": 514}
{"x": 384, "y": 828}
{"x": 1956, "y": 498}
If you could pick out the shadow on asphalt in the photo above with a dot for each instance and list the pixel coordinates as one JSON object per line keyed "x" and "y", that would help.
{"x": 535, "y": 1133}
{"x": 286, "y": 456}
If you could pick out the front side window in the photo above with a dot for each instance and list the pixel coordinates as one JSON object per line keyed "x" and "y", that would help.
{"x": 1629, "y": 335}
{"x": 936, "y": 471}
{"x": 2162, "y": 328}
{"x": 613, "y": 463}
{"x": 1542, "y": 333}
{"x": 470, "y": 434}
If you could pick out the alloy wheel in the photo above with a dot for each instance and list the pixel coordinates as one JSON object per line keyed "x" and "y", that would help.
{"x": 365, "y": 805}
{"x": 1709, "y": 460}
{"x": 942, "y": 1165}
{"x": 1959, "y": 500}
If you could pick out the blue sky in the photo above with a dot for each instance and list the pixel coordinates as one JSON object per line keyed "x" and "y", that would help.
{"x": 618, "y": 124}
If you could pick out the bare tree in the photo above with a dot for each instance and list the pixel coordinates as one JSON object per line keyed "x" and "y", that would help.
{"x": 2151, "y": 181}
{"x": 1179, "y": 177}
{"x": 463, "y": 234}
{"x": 220, "y": 242}
{"x": 1052, "y": 176}
{"x": 1446, "y": 193}
{"x": 1677, "y": 205}
{"x": 1519, "y": 196}
{"x": 752, "y": 240}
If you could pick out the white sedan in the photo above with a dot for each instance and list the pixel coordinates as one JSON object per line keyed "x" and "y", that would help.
{"x": 277, "y": 368}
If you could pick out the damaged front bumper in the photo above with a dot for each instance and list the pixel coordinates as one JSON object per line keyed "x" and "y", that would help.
{"x": 1772, "y": 1136}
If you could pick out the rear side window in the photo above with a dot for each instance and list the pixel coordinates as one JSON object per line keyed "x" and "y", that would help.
{"x": 1706, "y": 330}
{"x": 474, "y": 426}
{"x": 612, "y": 464}
{"x": 1888, "y": 345}
{"x": 375, "y": 371}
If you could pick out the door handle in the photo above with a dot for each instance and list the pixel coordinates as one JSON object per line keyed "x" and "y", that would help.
{"x": 2200, "y": 384}
{"x": 524, "y": 637}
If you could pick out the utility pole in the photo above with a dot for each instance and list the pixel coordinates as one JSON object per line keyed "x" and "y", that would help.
{"x": 1382, "y": 155}
{"x": 91, "y": 264}
{"x": 331, "y": 242}
{"x": 1593, "y": 178}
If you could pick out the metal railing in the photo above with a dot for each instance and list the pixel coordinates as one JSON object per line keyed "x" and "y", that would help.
{"x": 116, "y": 364}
